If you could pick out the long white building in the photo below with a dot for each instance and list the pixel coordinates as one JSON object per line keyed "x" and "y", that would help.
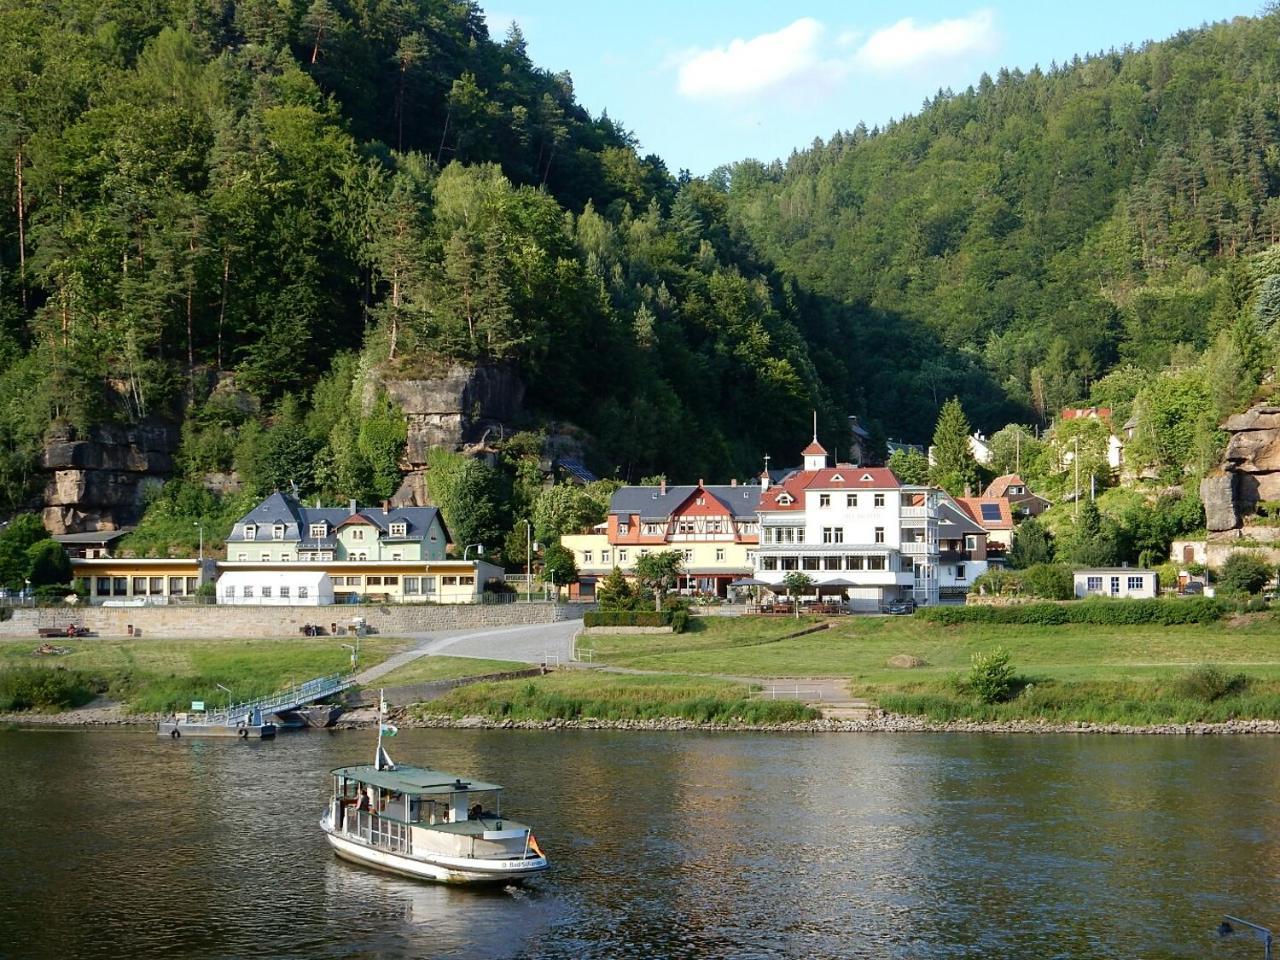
{"x": 856, "y": 532}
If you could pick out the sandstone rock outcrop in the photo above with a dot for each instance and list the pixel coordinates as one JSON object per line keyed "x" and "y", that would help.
{"x": 453, "y": 409}
{"x": 96, "y": 479}
{"x": 1250, "y": 471}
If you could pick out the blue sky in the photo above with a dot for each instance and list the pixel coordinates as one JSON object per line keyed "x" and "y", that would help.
{"x": 705, "y": 82}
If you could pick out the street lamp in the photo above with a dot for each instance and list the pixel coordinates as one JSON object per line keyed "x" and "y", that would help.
{"x": 1225, "y": 929}
{"x": 27, "y": 591}
{"x": 528, "y": 561}
{"x": 479, "y": 549}
{"x": 228, "y": 690}
{"x": 355, "y": 652}
{"x": 201, "y": 526}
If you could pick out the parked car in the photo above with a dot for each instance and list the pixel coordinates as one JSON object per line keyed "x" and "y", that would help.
{"x": 900, "y": 607}
{"x": 1193, "y": 586}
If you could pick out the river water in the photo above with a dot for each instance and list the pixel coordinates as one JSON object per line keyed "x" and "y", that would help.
{"x": 114, "y": 843}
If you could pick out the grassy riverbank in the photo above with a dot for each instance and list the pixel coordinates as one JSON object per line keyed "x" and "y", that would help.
{"x": 1087, "y": 673}
{"x": 578, "y": 695}
{"x": 156, "y": 676}
{"x": 427, "y": 669}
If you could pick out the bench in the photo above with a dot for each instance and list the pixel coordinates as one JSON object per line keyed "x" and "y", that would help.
{"x": 49, "y": 633}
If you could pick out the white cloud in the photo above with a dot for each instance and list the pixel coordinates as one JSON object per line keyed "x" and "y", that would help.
{"x": 750, "y": 66}
{"x": 906, "y": 43}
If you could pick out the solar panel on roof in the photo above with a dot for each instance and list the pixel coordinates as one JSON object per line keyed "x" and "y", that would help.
{"x": 990, "y": 511}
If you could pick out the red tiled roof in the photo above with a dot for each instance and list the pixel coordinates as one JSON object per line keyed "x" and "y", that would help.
{"x": 1078, "y": 413}
{"x": 843, "y": 477}
{"x": 973, "y": 507}
{"x": 814, "y": 449}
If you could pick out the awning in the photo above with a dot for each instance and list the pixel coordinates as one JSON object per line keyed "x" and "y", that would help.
{"x": 748, "y": 582}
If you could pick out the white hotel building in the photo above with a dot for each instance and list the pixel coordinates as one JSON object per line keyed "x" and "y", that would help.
{"x": 855, "y": 531}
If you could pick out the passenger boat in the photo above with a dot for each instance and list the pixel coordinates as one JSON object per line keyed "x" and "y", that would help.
{"x": 426, "y": 824}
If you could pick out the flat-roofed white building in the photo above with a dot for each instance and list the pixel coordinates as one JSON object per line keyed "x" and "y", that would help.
{"x": 1129, "y": 582}
{"x": 275, "y": 588}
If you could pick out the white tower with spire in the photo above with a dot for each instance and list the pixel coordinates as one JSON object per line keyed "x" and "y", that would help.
{"x": 815, "y": 455}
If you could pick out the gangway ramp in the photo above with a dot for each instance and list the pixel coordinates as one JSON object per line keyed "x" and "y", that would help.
{"x": 295, "y": 696}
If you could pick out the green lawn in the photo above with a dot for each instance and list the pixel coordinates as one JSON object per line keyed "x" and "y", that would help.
{"x": 1122, "y": 673}
{"x": 426, "y": 669}
{"x": 158, "y": 675}
{"x": 580, "y": 694}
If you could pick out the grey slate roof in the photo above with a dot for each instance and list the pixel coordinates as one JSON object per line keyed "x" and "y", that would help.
{"x": 954, "y": 522}
{"x": 651, "y": 504}
{"x": 279, "y": 508}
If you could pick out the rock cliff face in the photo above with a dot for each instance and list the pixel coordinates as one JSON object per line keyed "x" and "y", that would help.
{"x": 96, "y": 480}
{"x": 453, "y": 410}
{"x": 1250, "y": 471}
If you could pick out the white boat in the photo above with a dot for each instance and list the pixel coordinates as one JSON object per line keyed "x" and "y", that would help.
{"x": 427, "y": 824}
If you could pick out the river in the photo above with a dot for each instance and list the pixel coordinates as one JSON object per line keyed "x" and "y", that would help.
{"x": 114, "y": 843}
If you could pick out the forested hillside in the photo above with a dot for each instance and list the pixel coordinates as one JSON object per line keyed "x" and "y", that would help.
{"x": 1046, "y": 227}
{"x": 255, "y": 186}
{"x": 297, "y": 193}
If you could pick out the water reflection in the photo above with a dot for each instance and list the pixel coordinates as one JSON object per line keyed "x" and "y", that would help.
{"x": 666, "y": 845}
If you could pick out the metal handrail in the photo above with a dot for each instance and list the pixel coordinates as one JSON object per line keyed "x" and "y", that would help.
{"x": 294, "y": 696}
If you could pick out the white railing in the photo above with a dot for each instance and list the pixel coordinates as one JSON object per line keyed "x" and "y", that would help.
{"x": 919, "y": 513}
{"x": 917, "y": 548}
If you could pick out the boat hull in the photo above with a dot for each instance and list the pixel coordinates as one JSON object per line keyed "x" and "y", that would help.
{"x": 175, "y": 731}
{"x": 437, "y": 868}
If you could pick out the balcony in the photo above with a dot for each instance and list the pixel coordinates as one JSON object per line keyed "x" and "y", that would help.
{"x": 919, "y": 513}
{"x": 917, "y": 548}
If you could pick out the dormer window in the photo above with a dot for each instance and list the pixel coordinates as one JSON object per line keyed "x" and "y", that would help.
{"x": 866, "y": 478}
{"x": 785, "y": 498}
{"x": 251, "y": 531}
{"x": 399, "y": 529}
{"x": 277, "y": 531}
{"x": 836, "y": 478}
{"x": 318, "y": 530}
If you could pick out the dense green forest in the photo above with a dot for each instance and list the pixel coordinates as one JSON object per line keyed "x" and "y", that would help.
{"x": 298, "y": 192}
{"x": 1043, "y": 228}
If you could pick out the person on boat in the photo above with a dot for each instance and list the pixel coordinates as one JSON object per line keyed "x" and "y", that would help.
{"x": 362, "y": 800}
{"x": 476, "y": 812}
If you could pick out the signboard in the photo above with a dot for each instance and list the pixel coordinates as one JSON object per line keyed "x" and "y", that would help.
{"x": 197, "y": 705}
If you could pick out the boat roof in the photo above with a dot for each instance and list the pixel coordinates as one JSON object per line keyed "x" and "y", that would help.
{"x": 412, "y": 779}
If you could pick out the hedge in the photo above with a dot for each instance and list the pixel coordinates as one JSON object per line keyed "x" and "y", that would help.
{"x": 1106, "y": 612}
{"x": 627, "y": 618}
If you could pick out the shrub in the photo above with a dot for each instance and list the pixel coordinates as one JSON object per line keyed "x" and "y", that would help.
{"x": 1052, "y": 581}
{"x": 679, "y": 620}
{"x": 1097, "y": 611}
{"x": 1244, "y": 573}
{"x": 44, "y": 688}
{"x": 1208, "y": 682}
{"x": 991, "y": 677}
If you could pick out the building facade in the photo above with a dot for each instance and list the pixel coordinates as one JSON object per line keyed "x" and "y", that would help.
{"x": 1129, "y": 582}
{"x": 356, "y": 581}
{"x": 280, "y": 529}
{"x": 856, "y": 532}
{"x": 129, "y": 583}
{"x": 712, "y": 526}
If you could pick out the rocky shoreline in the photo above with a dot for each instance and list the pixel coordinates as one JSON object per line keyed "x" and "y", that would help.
{"x": 109, "y": 716}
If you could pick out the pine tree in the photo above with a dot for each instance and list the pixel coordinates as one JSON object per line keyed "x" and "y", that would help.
{"x": 954, "y": 468}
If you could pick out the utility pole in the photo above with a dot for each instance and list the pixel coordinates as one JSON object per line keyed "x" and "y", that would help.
{"x": 1017, "y": 451}
{"x": 528, "y": 563}
{"x": 1075, "y": 506}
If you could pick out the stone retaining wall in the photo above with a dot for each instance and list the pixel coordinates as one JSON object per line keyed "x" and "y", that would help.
{"x": 216, "y": 622}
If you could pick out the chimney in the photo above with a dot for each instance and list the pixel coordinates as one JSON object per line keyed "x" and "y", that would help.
{"x": 733, "y": 482}
{"x": 353, "y": 507}
{"x": 764, "y": 481}
{"x": 662, "y": 487}
{"x": 386, "y": 507}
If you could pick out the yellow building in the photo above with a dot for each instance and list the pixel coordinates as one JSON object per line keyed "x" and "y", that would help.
{"x": 381, "y": 581}
{"x": 118, "y": 582}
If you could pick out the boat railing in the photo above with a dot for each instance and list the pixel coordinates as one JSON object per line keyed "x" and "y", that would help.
{"x": 380, "y": 831}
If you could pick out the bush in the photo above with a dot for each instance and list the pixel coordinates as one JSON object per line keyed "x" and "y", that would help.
{"x": 679, "y": 620}
{"x": 1051, "y": 581}
{"x": 44, "y": 688}
{"x": 1099, "y": 611}
{"x": 1207, "y": 682}
{"x": 1244, "y": 573}
{"x": 632, "y": 618}
{"x": 991, "y": 677}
